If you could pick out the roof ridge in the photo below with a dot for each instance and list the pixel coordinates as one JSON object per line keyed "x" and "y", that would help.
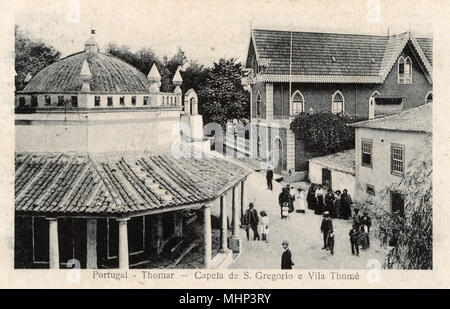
{"x": 324, "y": 32}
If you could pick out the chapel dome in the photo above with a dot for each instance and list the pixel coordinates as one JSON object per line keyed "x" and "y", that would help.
{"x": 108, "y": 74}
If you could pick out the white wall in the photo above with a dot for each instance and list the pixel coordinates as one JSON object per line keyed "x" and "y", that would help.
{"x": 97, "y": 132}
{"x": 379, "y": 175}
{"x": 339, "y": 180}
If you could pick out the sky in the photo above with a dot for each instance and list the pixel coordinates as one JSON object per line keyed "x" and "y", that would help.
{"x": 208, "y": 30}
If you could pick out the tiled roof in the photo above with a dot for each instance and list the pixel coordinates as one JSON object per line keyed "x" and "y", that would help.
{"x": 74, "y": 184}
{"x": 329, "y": 56}
{"x": 418, "y": 119}
{"x": 108, "y": 74}
{"x": 343, "y": 161}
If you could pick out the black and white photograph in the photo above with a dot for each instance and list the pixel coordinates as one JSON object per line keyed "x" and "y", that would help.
{"x": 227, "y": 136}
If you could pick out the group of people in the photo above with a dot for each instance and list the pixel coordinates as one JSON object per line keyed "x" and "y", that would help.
{"x": 337, "y": 204}
{"x": 259, "y": 224}
{"x": 360, "y": 232}
{"x": 288, "y": 197}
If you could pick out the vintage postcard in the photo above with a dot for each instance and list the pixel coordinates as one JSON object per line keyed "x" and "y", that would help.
{"x": 224, "y": 144}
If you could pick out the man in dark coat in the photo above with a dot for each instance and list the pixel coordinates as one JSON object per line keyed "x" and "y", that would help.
{"x": 326, "y": 228}
{"x": 366, "y": 221}
{"x": 284, "y": 197}
{"x": 286, "y": 257}
{"x": 354, "y": 236}
{"x": 251, "y": 220}
{"x": 269, "y": 178}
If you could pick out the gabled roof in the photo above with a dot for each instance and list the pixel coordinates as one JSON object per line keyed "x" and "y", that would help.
{"x": 75, "y": 184}
{"x": 331, "y": 57}
{"x": 418, "y": 119}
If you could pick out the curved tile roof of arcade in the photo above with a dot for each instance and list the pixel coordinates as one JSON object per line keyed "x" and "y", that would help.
{"x": 108, "y": 74}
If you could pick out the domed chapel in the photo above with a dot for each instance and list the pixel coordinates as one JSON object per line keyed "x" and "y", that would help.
{"x": 98, "y": 175}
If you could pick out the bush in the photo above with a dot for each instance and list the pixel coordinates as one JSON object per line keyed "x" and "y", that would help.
{"x": 325, "y": 133}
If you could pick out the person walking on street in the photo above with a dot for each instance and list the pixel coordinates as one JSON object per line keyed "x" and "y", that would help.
{"x": 264, "y": 226}
{"x": 300, "y": 201}
{"x": 292, "y": 197}
{"x": 326, "y": 228}
{"x": 286, "y": 257}
{"x": 354, "y": 236}
{"x": 251, "y": 220}
{"x": 269, "y": 177}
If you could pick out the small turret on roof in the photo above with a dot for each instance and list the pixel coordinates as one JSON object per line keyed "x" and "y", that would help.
{"x": 177, "y": 78}
{"x": 28, "y": 77}
{"x": 154, "y": 78}
{"x": 85, "y": 76}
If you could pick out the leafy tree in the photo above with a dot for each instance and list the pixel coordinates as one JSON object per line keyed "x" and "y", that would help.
{"x": 194, "y": 76}
{"x": 31, "y": 56}
{"x": 170, "y": 66}
{"x": 325, "y": 132}
{"x": 222, "y": 97}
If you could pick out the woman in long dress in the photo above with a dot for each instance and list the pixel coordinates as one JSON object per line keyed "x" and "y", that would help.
{"x": 264, "y": 226}
{"x": 319, "y": 198}
{"x": 346, "y": 201}
{"x": 300, "y": 201}
{"x": 311, "y": 197}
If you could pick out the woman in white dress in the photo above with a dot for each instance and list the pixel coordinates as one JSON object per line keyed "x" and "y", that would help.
{"x": 264, "y": 226}
{"x": 300, "y": 201}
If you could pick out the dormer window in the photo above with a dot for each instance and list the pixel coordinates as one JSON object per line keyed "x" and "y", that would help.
{"x": 404, "y": 70}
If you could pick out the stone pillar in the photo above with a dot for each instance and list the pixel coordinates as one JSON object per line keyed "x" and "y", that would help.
{"x": 224, "y": 225}
{"x": 290, "y": 150}
{"x": 269, "y": 101}
{"x": 123, "y": 244}
{"x": 53, "y": 243}
{"x": 242, "y": 201}
{"x": 234, "y": 241}
{"x": 207, "y": 236}
{"x": 91, "y": 261}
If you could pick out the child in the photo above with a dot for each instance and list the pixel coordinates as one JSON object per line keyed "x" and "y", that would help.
{"x": 264, "y": 226}
{"x": 285, "y": 210}
{"x": 331, "y": 242}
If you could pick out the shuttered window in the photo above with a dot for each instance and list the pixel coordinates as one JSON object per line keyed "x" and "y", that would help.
{"x": 366, "y": 152}
{"x": 397, "y": 159}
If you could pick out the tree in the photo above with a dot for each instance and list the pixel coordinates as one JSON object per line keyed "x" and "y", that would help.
{"x": 31, "y": 56}
{"x": 324, "y": 132}
{"x": 222, "y": 97}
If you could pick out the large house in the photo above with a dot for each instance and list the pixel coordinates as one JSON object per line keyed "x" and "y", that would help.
{"x": 359, "y": 75}
{"x": 384, "y": 149}
{"x": 108, "y": 169}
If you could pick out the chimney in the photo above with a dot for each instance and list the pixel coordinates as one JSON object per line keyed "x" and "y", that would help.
{"x": 154, "y": 78}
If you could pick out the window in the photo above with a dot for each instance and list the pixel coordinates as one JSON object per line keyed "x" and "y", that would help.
{"x": 397, "y": 159}
{"x": 48, "y": 100}
{"x": 112, "y": 238}
{"x": 337, "y": 103}
{"x": 370, "y": 189}
{"x": 74, "y": 100}
{"x": 110, "y": 101}
{"x": 366, "y": 152}
{"x": 171, "y": 100}
{"x": 97, "y": 101}
{"x": 40, "y": 230}
{"x": 34, "y": 101}
{"x": 162, "y": 100}
{"x": 258, "y": 105}
{"x": 145, "y": 100}
{"x": 21, "y": 102}
{"x": 122, "y": 100}
{"x": 404, "y": 70}
{"x": 297, "y": 103}
{"x": 60, "y": 100}
{"x": 133, "y": 100}
{"x": 429, "y": 97}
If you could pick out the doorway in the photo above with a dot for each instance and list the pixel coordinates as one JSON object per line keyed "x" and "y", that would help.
{"x": 326, "y": 178}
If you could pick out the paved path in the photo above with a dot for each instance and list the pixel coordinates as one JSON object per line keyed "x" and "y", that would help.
{"x": 303, "y": 233}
